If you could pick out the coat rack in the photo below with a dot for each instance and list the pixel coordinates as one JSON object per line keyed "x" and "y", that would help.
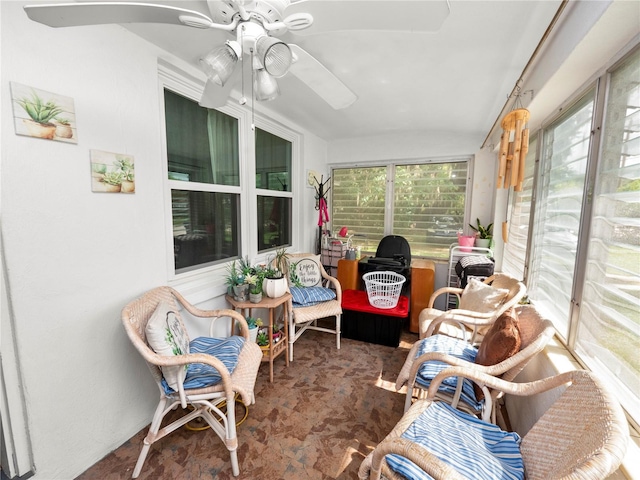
{"x": 321, "y": 207}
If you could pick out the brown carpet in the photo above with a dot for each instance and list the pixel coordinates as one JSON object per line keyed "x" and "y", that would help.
{"x": 317, "y": 420}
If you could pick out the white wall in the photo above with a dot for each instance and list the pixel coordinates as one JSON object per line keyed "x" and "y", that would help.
{"x": 74, "y": 258}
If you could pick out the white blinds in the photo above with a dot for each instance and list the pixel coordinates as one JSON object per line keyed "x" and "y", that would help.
{"x": 518, "y": 216}
{"x": 608, "y": 337}
{"x": 555, "y": 240}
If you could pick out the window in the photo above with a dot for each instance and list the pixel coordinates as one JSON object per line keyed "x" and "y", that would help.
{"x": 202, "y": 154}
{"x": 230, "y": 183}
{"x": 608, "y": 333}
{"x": 273, "y": 182}
{"x": 584, "y": 260}
{"x": 561, "y": 186}
{"x": 425, "y": 203}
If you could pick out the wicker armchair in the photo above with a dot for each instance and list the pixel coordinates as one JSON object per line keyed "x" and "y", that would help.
{"x": 475, "y": 318}
{"x": 583, "y": 435}
{"x": 535, "y": 334}
{"x": 208, "y": 400}
{"x": 302, "y": 318}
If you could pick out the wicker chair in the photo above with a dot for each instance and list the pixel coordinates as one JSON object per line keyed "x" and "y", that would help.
{"x": 474, "y": 320}
{"x": 302, "y": 319}
{"x": 207, "y": 402}
{"x": 535, "y": 334}
{"x": 583, "y": 435}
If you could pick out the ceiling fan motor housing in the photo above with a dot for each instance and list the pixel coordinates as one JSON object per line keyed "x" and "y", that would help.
{"x": 270, "y": 11}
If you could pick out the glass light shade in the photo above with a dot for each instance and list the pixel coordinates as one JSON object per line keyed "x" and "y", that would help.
{"x": 265, "y": 86}
{"x": 274, "y": 55}
{"x": 219, "y": 63}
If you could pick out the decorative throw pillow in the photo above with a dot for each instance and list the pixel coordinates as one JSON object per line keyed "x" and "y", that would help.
{"x": 307, "y": 296}
{"x": 166, "y": 336}
{"x": 479, "y": 297}
{"x": 502, "y": 341}
{"x": 305, "y": 271}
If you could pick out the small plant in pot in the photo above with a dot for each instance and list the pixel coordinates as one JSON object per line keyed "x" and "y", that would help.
{"x": 255, "y": 287}
{"x": 484, "y": 235}
{"x": 275, "y": 281}
{"x": 236, "y": 286}
{"x": 263, "y": 339}
{"x": 254, "y": 324}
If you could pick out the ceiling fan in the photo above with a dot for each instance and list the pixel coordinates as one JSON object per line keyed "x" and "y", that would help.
{"x": 255, "y": 26}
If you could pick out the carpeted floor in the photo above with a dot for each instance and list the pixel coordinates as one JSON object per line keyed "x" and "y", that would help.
{"x": 317, "y": 420}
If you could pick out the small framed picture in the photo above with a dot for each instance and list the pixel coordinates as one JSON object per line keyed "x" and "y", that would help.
{"x": 41, "y": 114}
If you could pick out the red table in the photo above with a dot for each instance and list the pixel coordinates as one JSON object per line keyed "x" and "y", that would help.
{"x": 362, "y": 321}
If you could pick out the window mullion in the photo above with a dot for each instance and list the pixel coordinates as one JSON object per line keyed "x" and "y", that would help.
{"x": 586, "y": 214}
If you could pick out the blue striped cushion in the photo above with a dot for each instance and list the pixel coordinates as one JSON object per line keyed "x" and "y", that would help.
{"x": 456, "y": 348}
{"x": 476, "y": 449}
{"x": 307, "y": 296}
{"x": 200, "y": 375}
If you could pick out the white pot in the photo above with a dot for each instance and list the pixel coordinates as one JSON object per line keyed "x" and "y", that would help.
{"x": 274, "y": 287}
{"x": 253, "y": 334}
{"x": 483, "y": 242}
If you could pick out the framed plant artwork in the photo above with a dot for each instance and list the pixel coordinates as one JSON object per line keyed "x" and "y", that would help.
{"x": 112, "y": 172}
{"x": 41, "y": 114}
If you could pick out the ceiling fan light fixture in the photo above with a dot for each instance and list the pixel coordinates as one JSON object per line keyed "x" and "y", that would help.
{"x": 274, "y": 54}
{"x": 220, "y": 62}
{"x": 265, "y": 86}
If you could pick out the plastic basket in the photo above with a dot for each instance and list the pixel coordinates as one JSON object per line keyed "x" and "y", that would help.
{"x": 383, "y": 288}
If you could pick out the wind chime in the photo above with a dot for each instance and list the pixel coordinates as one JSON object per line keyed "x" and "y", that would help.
{"x": 514, "y": 145}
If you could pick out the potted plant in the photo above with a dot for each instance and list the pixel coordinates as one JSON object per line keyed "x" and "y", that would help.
{"x": 275, "y": 282}
{"x": 255, "y": 281}
{"x": 254, "y": 324}
{"x": 112, "y": 181}
{"x": 276, "y": 334}
{"x": 41, "y": 115}
{"x": 484, "y": 235}
{"x": 236, "y": 286}
{"x": 263, "y": 340}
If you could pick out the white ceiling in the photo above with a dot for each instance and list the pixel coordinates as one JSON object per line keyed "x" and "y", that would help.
{"x": 456, "y": 79}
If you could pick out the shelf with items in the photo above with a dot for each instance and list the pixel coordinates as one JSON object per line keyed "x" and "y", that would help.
{"x": 273, "y": 349}
{"x": 332, "y": 252}
{"x": 456, "y": 252}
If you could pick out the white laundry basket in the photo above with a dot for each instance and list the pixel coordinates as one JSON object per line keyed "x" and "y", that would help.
{"x": 383, "y": 288}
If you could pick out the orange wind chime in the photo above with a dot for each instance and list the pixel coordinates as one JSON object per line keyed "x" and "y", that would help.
{"x": 514, "y": 145}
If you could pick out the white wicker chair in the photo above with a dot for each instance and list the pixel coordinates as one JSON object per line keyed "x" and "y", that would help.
{"x": 460, "y": 322}
{"x": 535, "y": 334}
{"x": 583, "y": 435}
{"x": 206, "y": 402}
{"x": 302, "y": 319}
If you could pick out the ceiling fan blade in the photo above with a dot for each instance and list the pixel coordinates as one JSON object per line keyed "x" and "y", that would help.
{"x": 320, "y": 80}
{"x": 101, "y": 13}
{"x": 215, "y": 96}
{"x": 380, "y": 15}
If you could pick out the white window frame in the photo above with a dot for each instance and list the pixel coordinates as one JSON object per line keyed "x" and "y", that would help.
{"x": 200, "y": 280}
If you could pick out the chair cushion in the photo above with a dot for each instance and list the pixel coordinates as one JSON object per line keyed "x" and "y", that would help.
{"x": 200, "y": 375}
{"x": 476, "y": 449}
{"x": 166, "y": 336}
{"x": 501, "y": 342}
{"x": 428, "y": 370}
{"x": 307, "y": 296}
{"x": 305, "y": 271}
{"x": 480, "y": 297}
